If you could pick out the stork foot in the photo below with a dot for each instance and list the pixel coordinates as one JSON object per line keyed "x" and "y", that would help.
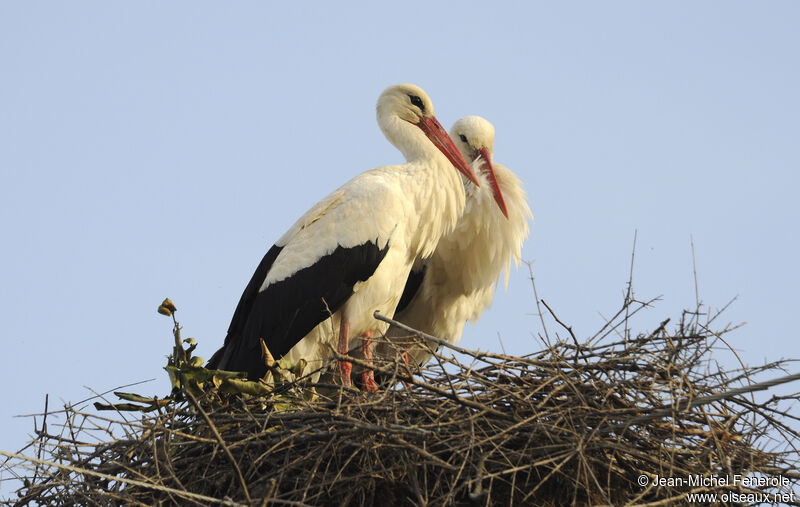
{"x": 368, "y": 377}
{"x": 408, "y": 367}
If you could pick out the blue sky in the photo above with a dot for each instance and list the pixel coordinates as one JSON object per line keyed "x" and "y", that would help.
{"x": 153, "y": 150}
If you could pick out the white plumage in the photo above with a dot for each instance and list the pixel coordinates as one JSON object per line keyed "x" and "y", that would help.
{"x": 351, "y": 253}
{"x": 460, "y": 278}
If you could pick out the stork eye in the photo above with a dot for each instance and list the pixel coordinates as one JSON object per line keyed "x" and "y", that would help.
{"x": 463, "y": 138}
{"x": 415, "y": 100}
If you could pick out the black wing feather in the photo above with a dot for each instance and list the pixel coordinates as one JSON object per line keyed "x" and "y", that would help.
{"x": 245, "y": 304}
{"x": 283, "y": 313}
{"x": 413, "y": 284}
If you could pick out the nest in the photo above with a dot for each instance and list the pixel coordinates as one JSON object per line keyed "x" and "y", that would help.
{"x": 618, "y": 419}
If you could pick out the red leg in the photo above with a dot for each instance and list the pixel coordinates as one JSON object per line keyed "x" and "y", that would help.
{"x": 408, "y": 367}
{"x": 345, "y": 367}
{"x": 366, "y": 348}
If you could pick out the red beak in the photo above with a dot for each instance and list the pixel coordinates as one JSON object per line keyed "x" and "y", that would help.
{"x": 438, "y": 136}
{"x": 498, "y": 196}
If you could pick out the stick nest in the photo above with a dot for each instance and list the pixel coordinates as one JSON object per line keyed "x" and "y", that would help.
{"x": 575, "y": 423}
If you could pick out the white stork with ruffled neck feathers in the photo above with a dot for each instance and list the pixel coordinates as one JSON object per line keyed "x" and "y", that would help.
{"x": 457, "y": 283}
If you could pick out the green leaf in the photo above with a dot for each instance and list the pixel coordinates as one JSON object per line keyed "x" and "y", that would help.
{"x": 123, "y": 407}
{"x": 244, "y": 386}
{"x": 310, "y": 394}
{"x": 227, "y": 374}
{"x": 299, "y": 367}
{"x": 133, "y": 397}
{"x": 172, "y": 371}
{"x": 174, "y": 376}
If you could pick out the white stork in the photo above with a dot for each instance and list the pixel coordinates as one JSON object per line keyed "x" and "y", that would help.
{"x": 457, "y": 283}
{"x": 351, "y": 253}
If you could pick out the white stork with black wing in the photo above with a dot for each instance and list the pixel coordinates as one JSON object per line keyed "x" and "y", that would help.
{"x": 351, "y": 253}
{"x": 457, "y": 283}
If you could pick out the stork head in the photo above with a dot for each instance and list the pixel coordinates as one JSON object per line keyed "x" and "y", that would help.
{"x": 474, "y": 138}
{"x": 408, "y": 104}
